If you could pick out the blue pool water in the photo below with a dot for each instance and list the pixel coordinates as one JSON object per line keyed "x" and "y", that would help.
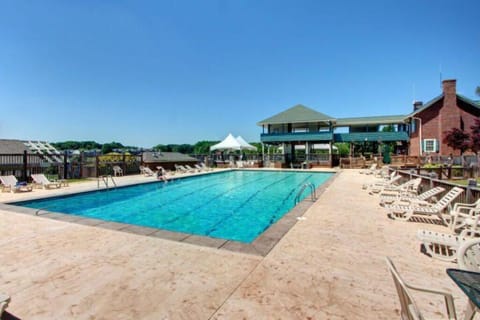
{"x": 235, "y": 205}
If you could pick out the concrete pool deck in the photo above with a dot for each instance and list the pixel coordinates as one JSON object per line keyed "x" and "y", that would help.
{"x": 329, "y": 265}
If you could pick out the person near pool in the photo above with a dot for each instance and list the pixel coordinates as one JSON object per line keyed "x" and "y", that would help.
{"x": 161, "y": 174}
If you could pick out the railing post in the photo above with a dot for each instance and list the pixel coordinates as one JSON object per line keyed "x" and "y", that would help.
{"x": 96, "y": 165}
{"x": 81, "y": 164}
{"x": 65, "y": 165}
{"x": 25, "y": 165}
{"x": 124, "y": 166}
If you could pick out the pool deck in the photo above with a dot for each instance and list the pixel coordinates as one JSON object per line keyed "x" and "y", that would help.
{"x": 329, "y": 265}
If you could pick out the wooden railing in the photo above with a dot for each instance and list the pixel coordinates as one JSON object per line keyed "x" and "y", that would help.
{"x": 470, "y": 195}
{"x": 64, "y": 166}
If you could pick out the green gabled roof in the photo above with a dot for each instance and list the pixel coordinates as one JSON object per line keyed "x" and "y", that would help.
{"x": 296, "y": 114}
{"x": 425, "y": 106}
{"x": 375, "y": 120}
{"x": 474, "y": 103}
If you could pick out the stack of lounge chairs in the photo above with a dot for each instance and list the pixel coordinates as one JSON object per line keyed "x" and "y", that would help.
{"x": 460, "y": 242}
{"x": 403, "y": 202}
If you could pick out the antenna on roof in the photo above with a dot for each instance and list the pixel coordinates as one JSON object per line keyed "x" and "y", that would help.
{"x": 440, "y": 75}
{"x": 413, "y": 89}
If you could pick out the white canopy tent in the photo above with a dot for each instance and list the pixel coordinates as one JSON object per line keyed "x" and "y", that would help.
{"x": 229, "y": 143}
{"x": 245, "y": 145}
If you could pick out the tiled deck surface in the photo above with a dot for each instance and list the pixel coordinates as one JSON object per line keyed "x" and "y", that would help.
{"x": 330, "y": 265}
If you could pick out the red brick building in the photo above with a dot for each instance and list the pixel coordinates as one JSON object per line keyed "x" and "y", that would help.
{"x": 430, "y": 122}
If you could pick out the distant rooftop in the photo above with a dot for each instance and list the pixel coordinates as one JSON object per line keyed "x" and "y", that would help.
{"x": 166, "y": 157}
{"x": 297, "y": 114}
{"x": 370, "y": 120}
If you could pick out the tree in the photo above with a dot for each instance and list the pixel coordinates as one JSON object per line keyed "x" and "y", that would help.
{"x": 457, "y": 140}
{"x": 77, "y": 145}
{"x": 475, "y": 137}
{"x": 343, "y": 148}
{"x": 203, "y": 147}
{"x": 477, "y": 91}
{"x": 109, "y": 147}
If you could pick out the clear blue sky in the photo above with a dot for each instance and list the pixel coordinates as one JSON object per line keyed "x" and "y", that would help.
{"x": 157, "y": 72}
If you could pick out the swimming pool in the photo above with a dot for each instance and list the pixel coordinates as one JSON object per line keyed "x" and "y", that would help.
{"x": 234, "y": 205}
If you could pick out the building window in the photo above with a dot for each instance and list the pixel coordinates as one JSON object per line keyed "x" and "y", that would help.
{"x": 430, "y": 145}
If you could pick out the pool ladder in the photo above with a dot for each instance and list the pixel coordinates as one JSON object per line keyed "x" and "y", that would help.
{"x": 313, "y": 193}
{"x": 105, "y": 180}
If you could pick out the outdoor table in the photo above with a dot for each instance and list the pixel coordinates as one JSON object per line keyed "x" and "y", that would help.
{"x": 469, "y": 282}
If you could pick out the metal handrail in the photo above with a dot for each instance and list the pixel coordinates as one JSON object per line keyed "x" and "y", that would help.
{"x": 105, "y": 181}
{"x": 313, "y": 192}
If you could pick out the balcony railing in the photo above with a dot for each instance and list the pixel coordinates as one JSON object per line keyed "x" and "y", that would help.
{"x": 296, "y": 136}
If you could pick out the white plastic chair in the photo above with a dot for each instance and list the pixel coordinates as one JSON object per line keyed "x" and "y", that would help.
{"x": 409, "y": 309}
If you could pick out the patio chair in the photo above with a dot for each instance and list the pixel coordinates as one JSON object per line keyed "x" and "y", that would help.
{"x": 4, "y": 301}
{"x": 42, "y": 181}
{"x": 468, "y": 255}
{"x": 464, "y": 214}
{"x": 406, "y": 212}
{"x": 371, "y": 170}
{"x": 411, "y": 198}
{"x": 409, "y": 309}
{"x": 204, "y": 167}
{"x": 11, "y": 184}
{"x": 117, "y": 171}
{"x": 146, "y": 171}
{"x": 443, "y": 246}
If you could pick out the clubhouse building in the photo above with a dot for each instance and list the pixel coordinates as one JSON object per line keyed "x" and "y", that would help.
{"x": 418, "y": 133}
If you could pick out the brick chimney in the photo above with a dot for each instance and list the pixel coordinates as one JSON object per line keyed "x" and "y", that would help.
{"x": 417, "y": 105}
{"x": 449, "y": 87}
{"x": 450, "y": 95}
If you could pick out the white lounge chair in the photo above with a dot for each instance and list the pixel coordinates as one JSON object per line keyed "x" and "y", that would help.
{"x": 439, "y": 245}
{"x": 468, "y": 255}
{"x": 465, "y": 214}
{"x": 406, "y": 212}
{"x": 204, "y": 167}
{"x": 42, "y": 181}
{"x": 386, "y": 185}
{"x": 146, "y": 171}
{"x": 409, "y": 309}
{"x": 409, "y": 199}
{"x": 184, "y": 169}
{"x": 11, "y": 184}
{"x": 370, "y": 170}
{"x": 407, "y": 188}
{"x": 190, "y": 169}
{"x": 180, "y": 168}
